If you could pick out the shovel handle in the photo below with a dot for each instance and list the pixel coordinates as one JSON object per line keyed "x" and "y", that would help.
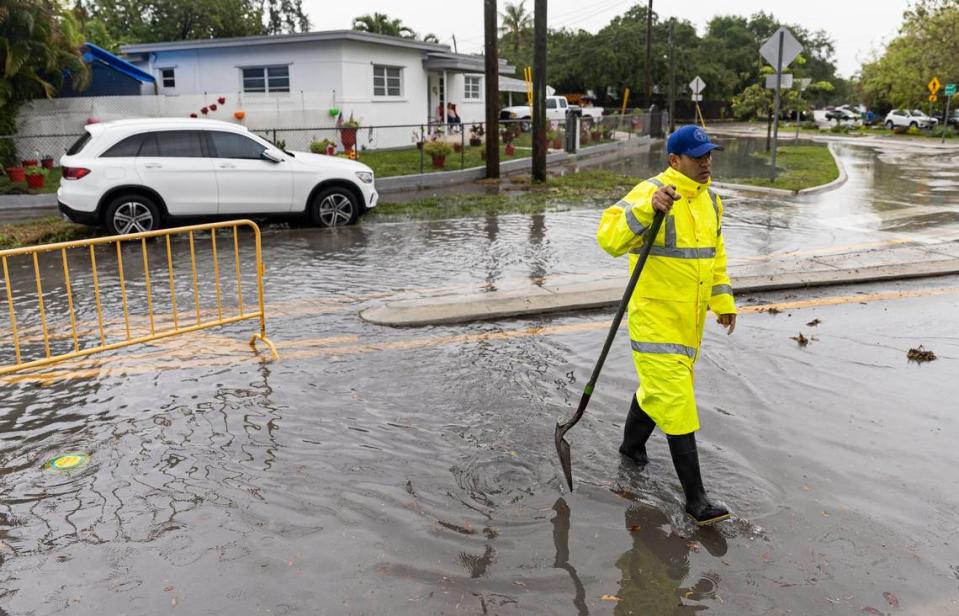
{"x": 651, "y": 234}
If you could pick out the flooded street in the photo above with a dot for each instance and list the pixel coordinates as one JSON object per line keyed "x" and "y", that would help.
{"x": 374, "y": 470}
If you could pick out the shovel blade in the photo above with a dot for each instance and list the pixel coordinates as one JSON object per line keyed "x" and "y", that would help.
{"x": 562, "y": 449}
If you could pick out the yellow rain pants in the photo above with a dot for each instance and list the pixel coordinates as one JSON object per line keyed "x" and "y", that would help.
{"x": 684, "y": 277}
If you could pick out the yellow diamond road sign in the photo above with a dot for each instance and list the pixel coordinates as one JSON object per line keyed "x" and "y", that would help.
{"x": 934, "y": 85}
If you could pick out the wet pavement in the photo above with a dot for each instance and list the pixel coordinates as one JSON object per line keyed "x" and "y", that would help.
{"x": 376, "y": 470}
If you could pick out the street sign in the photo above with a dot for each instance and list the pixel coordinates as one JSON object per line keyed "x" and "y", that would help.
{"x": 933, "y": 98}
{"x": 950, "y": 89}
{"x": 696, "y": 97}
{"x": 779, "y": 50}
{"x": 787, "y": 81}
{"x": 697, "y": 85}
{"x": 934, "y": 85}
{"x": 804, "y": 83}
{"x": 791, "y": 48}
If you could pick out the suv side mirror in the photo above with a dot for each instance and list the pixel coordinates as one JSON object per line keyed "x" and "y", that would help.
{"x": 270, "y": 156}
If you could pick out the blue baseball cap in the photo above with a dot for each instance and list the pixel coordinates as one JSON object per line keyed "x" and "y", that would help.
{"x": 690, "y": 140}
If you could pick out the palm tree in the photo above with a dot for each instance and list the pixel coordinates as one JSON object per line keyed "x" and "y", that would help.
{"x": 380, "y": 23}
{"x": 516, "y": 24}
{"x": 431, "y": 38}
{"x": 39, "y": 43}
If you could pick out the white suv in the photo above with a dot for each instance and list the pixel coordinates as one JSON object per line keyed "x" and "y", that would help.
{"x": 135, "y": 175}
{"x": 907, "y": 119}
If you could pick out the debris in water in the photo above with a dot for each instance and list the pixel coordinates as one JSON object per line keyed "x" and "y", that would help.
{"x": 802, "y": 340}
{"x": 610, "y": 598}
{"x": 771, "y": 310}
{"x": 813, "y": 323}
{"x": 872, "y": 610}
{"x": 920, "y": 355}
{"x": 891, "y": 599}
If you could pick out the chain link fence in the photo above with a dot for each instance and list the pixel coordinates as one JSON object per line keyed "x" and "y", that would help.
{"x": 391, "y": 150}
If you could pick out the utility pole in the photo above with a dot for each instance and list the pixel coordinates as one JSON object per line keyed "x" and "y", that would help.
{"x": 672, "y": 80}
{"x": 492, "y": 90}
{"x": 539, "y": 91}
{"x": 649, "y": 54}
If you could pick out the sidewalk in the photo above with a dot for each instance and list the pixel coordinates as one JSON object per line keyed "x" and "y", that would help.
{"x": 582, "y": 292}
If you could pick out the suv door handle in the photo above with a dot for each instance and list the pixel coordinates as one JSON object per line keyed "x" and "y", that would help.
{"x": 153, "y": 165}
{"x": 227, "y": 166}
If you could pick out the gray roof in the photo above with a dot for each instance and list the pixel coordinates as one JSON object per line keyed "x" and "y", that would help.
{"x": 305, "y": 37}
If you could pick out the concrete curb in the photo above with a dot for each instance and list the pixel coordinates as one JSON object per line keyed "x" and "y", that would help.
{"x": 565, "y": 296}
{"x": 839, "y": 181}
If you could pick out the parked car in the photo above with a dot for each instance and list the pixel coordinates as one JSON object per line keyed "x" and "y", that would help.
{"x": 556, "y": 107}
{"x": 953, "y": 120}
{"x": 903, "y": 118}
{"x": 843, "y": 113}
{"x": 138, "y": 175}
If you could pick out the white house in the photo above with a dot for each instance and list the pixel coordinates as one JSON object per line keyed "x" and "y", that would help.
{"x": 291, "y": 81}
{"x": 294, "y": 80}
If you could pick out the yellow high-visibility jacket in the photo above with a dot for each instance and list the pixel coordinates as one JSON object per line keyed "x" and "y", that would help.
{"x": 684, "y": 277}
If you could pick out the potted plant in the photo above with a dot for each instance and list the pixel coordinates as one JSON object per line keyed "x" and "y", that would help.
{"x": 46, "y": 162}
{"x": 30, "y": 162}
{"x": 476, "y": 134}
{"x": 348, "y": 133}
{"x": 438, "y": 151}
{"x": 507, "y": 134}
{"x": 595, "y": 134}
{"x": 555, "y": 138}
{"x": 457, "y": 147}
{"x": 322, "y": 146}
{"x": 16, "y": 174}
{"x": 35, "y": 176}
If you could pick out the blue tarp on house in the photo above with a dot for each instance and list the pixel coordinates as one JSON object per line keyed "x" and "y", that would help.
{"x": 110, "y": 75}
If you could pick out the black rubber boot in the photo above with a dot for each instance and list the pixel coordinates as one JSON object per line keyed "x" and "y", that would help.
{"x": 636, "y": 432}
{"x": 686, "y": 460}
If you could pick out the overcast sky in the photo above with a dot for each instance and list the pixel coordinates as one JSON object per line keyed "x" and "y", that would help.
{"x": 855, "y": 28}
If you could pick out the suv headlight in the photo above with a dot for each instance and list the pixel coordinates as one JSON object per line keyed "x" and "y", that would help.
{"x": 365, "y": 176}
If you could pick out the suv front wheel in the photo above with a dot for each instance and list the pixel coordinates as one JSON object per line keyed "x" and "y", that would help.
{"x": 131, "y": 214}
{"x": 334, "y": 207}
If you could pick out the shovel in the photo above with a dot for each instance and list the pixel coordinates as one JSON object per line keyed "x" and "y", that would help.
{"x": 562, "y": 447}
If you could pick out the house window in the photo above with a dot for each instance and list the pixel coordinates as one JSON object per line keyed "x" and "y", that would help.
{"x": 168, "y": 78}
{"x": 471, "y": 90}
{"x": 266, "y": 79}
{"x": 387, "y": 80}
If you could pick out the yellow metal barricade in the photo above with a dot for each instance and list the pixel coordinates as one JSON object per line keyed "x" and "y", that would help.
{"x": 156, "y": 330}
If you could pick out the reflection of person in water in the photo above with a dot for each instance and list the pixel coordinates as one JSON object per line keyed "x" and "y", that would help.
{"x": 658, "y": 563}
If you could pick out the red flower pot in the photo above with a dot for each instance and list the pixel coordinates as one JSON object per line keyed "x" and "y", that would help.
{"x": 348, "y": 137}
{"x": 193, "y": 115}
{"x": 30, "y": 162}
{"x": 221, "y": 100}
{"x": 47, "y": 163}
{"x": 510, "y": 149}
{"x": 439, "y": 161}
{"x": 213, "y": 107}
{"x": 204, "y": 110}
{"x": 557, "y": 144}
{"x": 35, "y": 181}
{"x": 15, "y": 174}
{"x": 330, "y": 149}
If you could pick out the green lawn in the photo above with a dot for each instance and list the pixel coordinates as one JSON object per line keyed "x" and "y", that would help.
{"x": 43, "y": 231}
{"x": 50, "y": 185}
{"x": 800, "y": 166}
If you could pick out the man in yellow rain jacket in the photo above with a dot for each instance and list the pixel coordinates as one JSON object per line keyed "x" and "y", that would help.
{"x": 684, "y": 277}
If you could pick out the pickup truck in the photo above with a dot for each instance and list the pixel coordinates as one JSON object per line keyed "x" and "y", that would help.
{"x": 556, "y": 107}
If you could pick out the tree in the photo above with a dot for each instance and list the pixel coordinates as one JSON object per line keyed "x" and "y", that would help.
{"x": 927, "y": 45}
{"x": 39, "y": 44}
{"x": 150, "y": 21}
{"x": 517, "y": 25}
{"x": 380, "y": 23}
